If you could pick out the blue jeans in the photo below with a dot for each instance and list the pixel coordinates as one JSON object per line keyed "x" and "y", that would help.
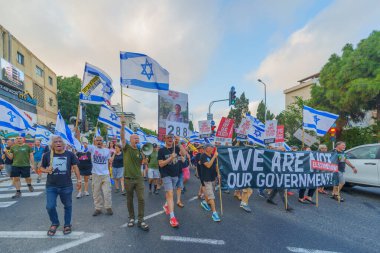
{"x": 65, "y": 194}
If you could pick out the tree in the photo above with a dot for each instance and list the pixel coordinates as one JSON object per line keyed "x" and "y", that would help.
{"x": 148, "y": 131}
{"x": 350, "y": 84}
{"x": 260, "y": 114}
{"x": 241, "y": 108}
{"x": 68, "y": 99}
{"x": 191, "y": 126}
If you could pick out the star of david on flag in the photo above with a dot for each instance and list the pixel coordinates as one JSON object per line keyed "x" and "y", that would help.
{"x": 318, "y": 121}
{"x": 257, "y": 132}
{"x": 139, "y": 71}
{"x": 108, "y": 117}
{"x": 43, "y": 134}
{"x": 12, "y": 118}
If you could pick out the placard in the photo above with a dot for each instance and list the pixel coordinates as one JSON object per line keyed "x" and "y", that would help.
{"x": 280, "y": 133}
{"x": 270, "y": 131}
{"x": 177, "y": 128}
{"x": 244, "y": 128}
{"x": 204, "y": 128}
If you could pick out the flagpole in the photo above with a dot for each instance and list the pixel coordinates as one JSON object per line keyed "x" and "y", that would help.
{"x": 121, "y": 96}
{"x": 77, "y": 121}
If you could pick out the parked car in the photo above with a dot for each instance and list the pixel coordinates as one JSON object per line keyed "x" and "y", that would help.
{"x": 366, "y": 158}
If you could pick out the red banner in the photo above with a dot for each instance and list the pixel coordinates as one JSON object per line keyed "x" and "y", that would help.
{"x": 280, "y": 133}
{"x": 225, "y": 128}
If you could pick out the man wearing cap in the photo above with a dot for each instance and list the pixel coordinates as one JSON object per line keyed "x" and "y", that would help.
{"x": 209, "y": 173}
{"x": 169, "y": 168}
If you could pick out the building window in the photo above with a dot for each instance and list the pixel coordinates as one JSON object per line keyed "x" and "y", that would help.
{"x": 50, "y": 81}
{"x": 38, "y": 93}
{"x": 51, "y": 102}
{"x": 39, "y": 71}
{"x": 20, "y": 58}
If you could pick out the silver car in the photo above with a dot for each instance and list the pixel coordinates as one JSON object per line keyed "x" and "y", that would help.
{"x": 366, "y": 158}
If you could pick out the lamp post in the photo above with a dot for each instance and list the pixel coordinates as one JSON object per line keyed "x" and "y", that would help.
{"x": 265, "y": 99}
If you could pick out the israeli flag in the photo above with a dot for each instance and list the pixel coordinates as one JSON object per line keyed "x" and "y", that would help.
{"x": 113, "y": 133}
{"x": 61, "y": 129}
{"x": 152, "y": 139}
{"x": 318, "y": 121}
{"x": 142, "y": 135}
{"x": 139, "y": 71}
{"x": 286, "y": 146}
{"x": 257, "y": 132}
{"x": 12, "y": 118}
{"x": 43, "y": 134}
{"x": 108, "y": 116}
{"x": 96, "y": 87}
{"x": 97, "y": 133}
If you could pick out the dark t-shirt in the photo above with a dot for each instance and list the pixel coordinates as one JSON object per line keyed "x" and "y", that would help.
{"x": 84, "y": 159}
{"x": 208, "y": 174}
{"x": 7, "y": 160}
{"x": 197, "y": 161}
{"x": 171, "y": 169}
{"x": 341, "y": 160}
{"x": 61, "y": 176}
{"x": 118, "y": 161}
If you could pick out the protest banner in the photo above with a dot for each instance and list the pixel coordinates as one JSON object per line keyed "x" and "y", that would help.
{"x": 280, "y": 133}
{"x": 243, "y": 167}
{"x": 270, "y": 131}
{"x": 308, "y": 139}
{"x": 225, "y": 131}
{"x": 204, "y": 128}
{"x": 172, "y": 107}
{"x": 244, "y": 128}
{"x": 177, "y": 128}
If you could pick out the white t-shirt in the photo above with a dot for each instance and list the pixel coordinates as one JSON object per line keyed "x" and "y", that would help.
{"x": 99, "y": 158}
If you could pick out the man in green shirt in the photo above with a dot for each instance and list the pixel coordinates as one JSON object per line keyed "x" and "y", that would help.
{"x": 22, "y": 160}
{"x": 134, "y": 181}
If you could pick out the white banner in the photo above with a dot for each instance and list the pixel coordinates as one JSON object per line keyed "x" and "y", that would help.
{"x": 204, "y": 128}
{"x": 270, "y": 131}
{"x": 177, "y": 128}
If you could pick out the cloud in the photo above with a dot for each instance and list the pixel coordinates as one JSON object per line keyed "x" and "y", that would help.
{"x": 308, "y": 49}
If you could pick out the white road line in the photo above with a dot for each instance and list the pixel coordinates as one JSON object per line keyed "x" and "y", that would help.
{"x": 301, "y": 250}
{"x": 192, "y": 240}
{"x": 66, "y": 246}
{"x": 193, "y": 198}
{"x": 8, "y": 184}
{"x": 24, "y": 194}
{"x": 6, "y": 204}
{"x": 38, "y": 187}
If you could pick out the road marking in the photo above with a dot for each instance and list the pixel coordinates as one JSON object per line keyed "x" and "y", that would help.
{"x": 6, "y": 204}
{"x": 192, "y": 240}
{"x": 24, "y": 188}
{"x": 155, "y": 214}
{"x": 78, "y": 237}
{"x": 26, "y": 194}
{"x": 8, "y": 184}
{"x": 301, "y": 250}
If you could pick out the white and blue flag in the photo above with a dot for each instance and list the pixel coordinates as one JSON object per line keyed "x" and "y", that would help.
{"x": 257, "y": 132}
{"x": 139, "y": 71}
{"x": 318, "y": 121}
{"x": 113, "y": 132}
{"x": 96, "y": 87}
{"x": 108, "y": 116}
{"x": 63, "y": 130}
{"x": 43, "y": 134}
{"x": 97, "y": 133}
{"x": 142, "y": 135}
{"x": 12, "y": 118}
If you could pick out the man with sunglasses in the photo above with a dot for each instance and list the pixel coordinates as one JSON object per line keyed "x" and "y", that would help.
{"x": 169, "y": 169}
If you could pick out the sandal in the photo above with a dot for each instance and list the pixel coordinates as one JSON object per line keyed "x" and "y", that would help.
{"x": 52, "y": 230}
{"x": 131, "y": 223}
{"x": 66, "y": 230}
{"x": 143, "y": 226}
{"x": 303, "y": 201}
{"x": 180, "y": 204}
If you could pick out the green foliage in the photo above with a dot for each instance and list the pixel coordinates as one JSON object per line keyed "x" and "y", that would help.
{"x": 358, "y": 136}
{"x": 68, "y": 99}
{"x": 260, "y": 114}
{"x": 191, "y": 126}
{"x": 148, "y": 131}
{"x": 350, "y": 84}
{"x": 239, "y": 110}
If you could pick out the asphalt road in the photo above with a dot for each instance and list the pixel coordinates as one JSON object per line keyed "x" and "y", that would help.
{"x": 332, "y": 227}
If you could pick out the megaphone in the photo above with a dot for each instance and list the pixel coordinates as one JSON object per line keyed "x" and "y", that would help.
{"x": 147, "y": 149}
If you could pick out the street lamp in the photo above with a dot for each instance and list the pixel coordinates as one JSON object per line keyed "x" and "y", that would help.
{"x": 265, "y": 99}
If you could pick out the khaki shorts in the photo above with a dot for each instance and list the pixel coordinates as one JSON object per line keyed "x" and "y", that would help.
{"x": 209, "y": 190}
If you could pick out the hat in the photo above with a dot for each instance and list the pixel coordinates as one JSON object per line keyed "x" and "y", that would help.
{"x": 84, "y": 139}
{"x": 154, "y": 145}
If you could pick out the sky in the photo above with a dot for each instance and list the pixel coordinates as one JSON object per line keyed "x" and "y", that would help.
{"x": 207, "y": 46}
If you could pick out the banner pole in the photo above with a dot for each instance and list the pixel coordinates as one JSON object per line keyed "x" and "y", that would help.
{"x": 286, "y": 199}
{"x": 121, "y": 96}
{"x": 220, "y": 187}
{"x": 303, "y": 137}
{"x": 77, "y": 121}
{"x": 317, "y": 199}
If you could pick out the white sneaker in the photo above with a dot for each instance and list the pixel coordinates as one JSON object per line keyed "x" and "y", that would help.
{"x": 79, "y": 195}
{"x": 86, "y": 193}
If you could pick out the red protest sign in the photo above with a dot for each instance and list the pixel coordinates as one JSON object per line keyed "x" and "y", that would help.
{"x": 225, "y": 128}
{"x": 280, "y": 133}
